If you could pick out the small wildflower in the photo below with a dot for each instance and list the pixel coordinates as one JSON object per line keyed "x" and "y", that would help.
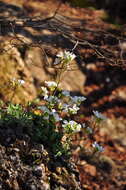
{"x": 65, "y": 108}
{"x": 99, "y": 116}
{"x": 57, "y": 61}
{"x": 44, "y": 92}
{"x": 71, "y": 126}
{"x": 16, "y": 82}
{"x": 21, "y": 81}
{"x": 51, "y": 85}
{"x": 46, "y": 112}
{"x": 66, "y": 56}
{"x": 65, "y": 93}
{"x": 44, "y": 109}
{"x": 56, "y": 116}
{"x": 74, "y": 109}
{"x": 52, "y": 100}
{"x": 78, "y": 99}
{"x": 97, "y": 147}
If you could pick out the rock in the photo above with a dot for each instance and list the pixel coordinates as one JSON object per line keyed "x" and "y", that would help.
{"x": 39, "y": 171}
{"x": 107, "y": 164}
{"x": 115, "y": 128}
{"x": 90, "y": 169}
{"x": 13, "y": 67}
{"x": 72, "y": 80}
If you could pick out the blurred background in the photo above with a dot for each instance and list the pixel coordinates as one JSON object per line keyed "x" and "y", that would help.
{"x": 32, "y": 32}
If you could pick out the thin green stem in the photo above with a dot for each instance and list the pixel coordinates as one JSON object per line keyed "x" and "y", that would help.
{"x": 58, "y": 79}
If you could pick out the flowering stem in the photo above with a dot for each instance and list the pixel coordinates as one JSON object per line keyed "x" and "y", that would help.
{"x": 58, "y": 78}
{"x": 14, "y": 91}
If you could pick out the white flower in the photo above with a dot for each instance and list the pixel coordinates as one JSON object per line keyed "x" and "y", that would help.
{"x": 65, "y": 93}
{"x": 62, "y": 106}
{"x": 65, "y": 56}
{"x": 57, "y": 61}
{"x": 71, "y": 126}
{"x": 60, "y": 55}
{"x": 17, "y": 81}
{"x": 52, "y": 99}
{"x": 21, "y": 81}
{"x": 56, "y": 117}
{"x": 78, "y": 99}
{"x": 14, "y": 79}
{"x": 51, "y": 85}
{"x": 99, "y": 115}
{"x": 44, "y": 92}
{"x": 44, "y": 109}
{"x": 74, "y": 109}
{"x": 46, "y": 112}
{"x": 65, "y": 108}
{"x": 97, "y": 147}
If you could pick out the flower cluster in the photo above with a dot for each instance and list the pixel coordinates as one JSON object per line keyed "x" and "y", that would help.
{"x": 64, "y": 57}
{"x": 61, "y": 106}
{"x": 50, "y": 113}
{"x": 62, "y": 103}
{"x": 98, "y": 116}
{"x": 44, "y": 92}
{"x": 51, "y": 85}
{"x": 17, "y": 82}
{"x": 71, "y": 126}
{"x": 97, "y": 147}
{"x": 53, "y": 118}
{"x": 78, "y": 99}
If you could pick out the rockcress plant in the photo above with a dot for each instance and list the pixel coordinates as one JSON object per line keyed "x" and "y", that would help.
{"x": 59, "y": 108}
{"x": 52, "y": 119}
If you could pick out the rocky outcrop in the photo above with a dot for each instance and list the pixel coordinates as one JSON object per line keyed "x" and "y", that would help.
{"x": 26, "y": 165}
